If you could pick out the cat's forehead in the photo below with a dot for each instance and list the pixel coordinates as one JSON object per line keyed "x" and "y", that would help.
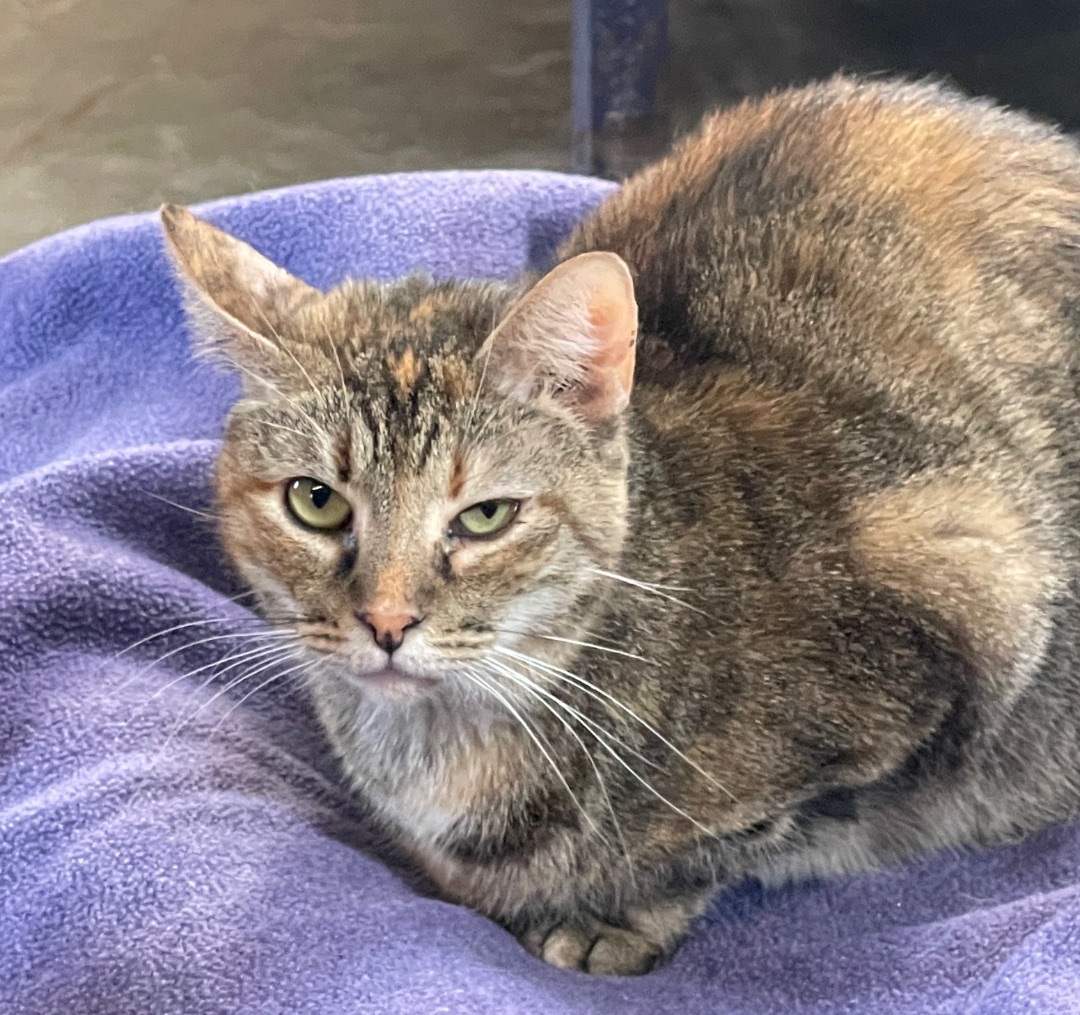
{"x": 413, "y": 320}
{"x": 406, "y": 355}
{"x": 407, "y": 351}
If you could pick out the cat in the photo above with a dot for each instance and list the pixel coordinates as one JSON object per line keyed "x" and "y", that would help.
{"x": 743, "y": 543}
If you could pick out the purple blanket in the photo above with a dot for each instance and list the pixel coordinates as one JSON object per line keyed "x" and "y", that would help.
{"x": 173, "y": 844}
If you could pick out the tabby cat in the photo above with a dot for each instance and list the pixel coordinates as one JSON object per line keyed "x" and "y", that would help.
{"x": 742, "y": 543}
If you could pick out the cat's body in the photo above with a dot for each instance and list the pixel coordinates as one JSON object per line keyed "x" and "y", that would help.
{"x": 824, "y": 566}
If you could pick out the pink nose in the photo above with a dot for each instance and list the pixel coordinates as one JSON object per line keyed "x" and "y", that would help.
{"x": 388, "y": 629}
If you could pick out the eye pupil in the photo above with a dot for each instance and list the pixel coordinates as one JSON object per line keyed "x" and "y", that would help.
{"x": 484, "y": 519}
{"x": 316, "y": 505}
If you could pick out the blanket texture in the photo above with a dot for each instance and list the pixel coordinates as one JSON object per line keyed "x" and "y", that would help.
{"x": 172, "y": 844}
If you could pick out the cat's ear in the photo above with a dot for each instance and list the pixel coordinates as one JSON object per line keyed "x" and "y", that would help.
{"x": 572, "y": 336}
{"x": 240, "y": 302}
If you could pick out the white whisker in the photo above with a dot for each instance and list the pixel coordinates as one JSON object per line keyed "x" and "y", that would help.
{"x": 234, "y": 660}
{"x": 644, "y": 782}
{"x": 281, "y": 426}
{"x": 540, "y": 695}
{"x": 581, "y": 644}
{"x": 498, "y": 695}
{"x": 649, "y": 586}
{"x": 240, "y": 595}
{"x": 218, "y": 670}
{"x": 235, "y": 682}
{"x": 476, "y": 394}
{"x": 232, "y": 635}
{"x": 591, "y": 689}
{"x": 262, "y": 380}
{"x": 304, "y": 667}
{"x": 595, "y": 728}
{"x": 341, "y": 370}
{"x": 656, "y": 590}
{"x": 281, "y": 394}
{"x": 283, "y": 345}
{"x": 181, "y": 507}
{"x": 169, "y": 630}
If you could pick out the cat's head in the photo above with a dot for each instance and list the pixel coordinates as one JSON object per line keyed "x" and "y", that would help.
{"x": 418, "y": 473}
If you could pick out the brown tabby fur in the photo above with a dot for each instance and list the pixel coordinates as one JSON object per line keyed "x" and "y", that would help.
{"x": 846, "y": 483}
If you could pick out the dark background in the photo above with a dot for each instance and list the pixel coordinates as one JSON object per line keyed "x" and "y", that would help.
{"x": 1023, "y": 52}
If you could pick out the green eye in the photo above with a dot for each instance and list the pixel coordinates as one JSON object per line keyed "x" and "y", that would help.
{"x": 316, "y": 505}
{"x": 488, "y": 518}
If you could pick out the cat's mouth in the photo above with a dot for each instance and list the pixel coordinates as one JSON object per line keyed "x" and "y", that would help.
{"x": 393, "y": 680}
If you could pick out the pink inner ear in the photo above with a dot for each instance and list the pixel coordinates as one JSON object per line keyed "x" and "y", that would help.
{"x": 612, "y": 316}
{"x": 615, "y": 328}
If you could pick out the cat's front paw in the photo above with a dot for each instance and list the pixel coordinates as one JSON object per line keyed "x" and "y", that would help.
{"x": 594, "y": 947}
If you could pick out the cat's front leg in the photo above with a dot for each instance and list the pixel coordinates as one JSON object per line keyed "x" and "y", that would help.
{"x": 634, "y": 943}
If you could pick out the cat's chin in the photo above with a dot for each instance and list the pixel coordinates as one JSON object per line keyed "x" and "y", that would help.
{"x": 393, "y": 683}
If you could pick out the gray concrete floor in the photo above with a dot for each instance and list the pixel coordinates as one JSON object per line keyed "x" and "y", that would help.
{"x": 109, "y": 106}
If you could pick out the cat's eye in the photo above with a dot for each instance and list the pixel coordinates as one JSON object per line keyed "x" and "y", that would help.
{"x": 488, "y": 518}
{"x": 317, "y": 505}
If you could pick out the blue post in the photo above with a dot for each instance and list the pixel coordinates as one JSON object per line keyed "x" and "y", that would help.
{"x": 618, "y": 49}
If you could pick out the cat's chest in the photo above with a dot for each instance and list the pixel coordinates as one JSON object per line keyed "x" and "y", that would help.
{"x": 423, "y": 811}
{"x": 432, "y": 804}
{"x": 435, "y": 782}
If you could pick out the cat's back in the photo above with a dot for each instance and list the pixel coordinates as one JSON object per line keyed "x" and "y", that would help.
{"x": 882, "y": 282}
{"x": 875, "y": 236}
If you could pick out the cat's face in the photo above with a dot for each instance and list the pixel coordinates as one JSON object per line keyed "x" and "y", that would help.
{"x": 406, "y": 485}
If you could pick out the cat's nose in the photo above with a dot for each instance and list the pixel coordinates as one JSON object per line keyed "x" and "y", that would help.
{"x": 388, "y": 629}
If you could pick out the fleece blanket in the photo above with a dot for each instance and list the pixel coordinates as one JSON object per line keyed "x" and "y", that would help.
{"x": 172, "y": 843}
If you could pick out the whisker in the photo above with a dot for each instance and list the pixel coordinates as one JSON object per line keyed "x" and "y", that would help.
{"x": 597, "y": 730}
{"x": 574, "y": 641}
{"x": 337, "y": 359}
{"x": 239, "y": 636}
{"x": 281, "y": 617}
{"x": 644, "y": 782}
{"x": 240, "y": 595}
{"x": 485, "y": 685}
{"x": 282, "y": 344}
{"x": 262, "y": 380}
{"x": 540, "y": 694}
{"x": 640, "y": 582}
{"x": 281, "y": 394}
{"x": 655, "y": 590}
{"x": 181, "y": 507}
{"x": 169, "y": 630}
{"x": 234, "y": 660}
{"x": 218, "y": 669}
{"x": 476, "y": 394}
{"x": 235, "y": 682}
{"x": 281, "y": 426}
{"x": 591, "y": 689}
{"x": 242, "y": 636}
{"x": 305, "y": 667}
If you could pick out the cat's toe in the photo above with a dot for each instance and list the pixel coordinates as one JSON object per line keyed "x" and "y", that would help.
{"x": 594, "y": 947}
{"x": 618, "y": 952}
{"x": 566, "y": 946}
